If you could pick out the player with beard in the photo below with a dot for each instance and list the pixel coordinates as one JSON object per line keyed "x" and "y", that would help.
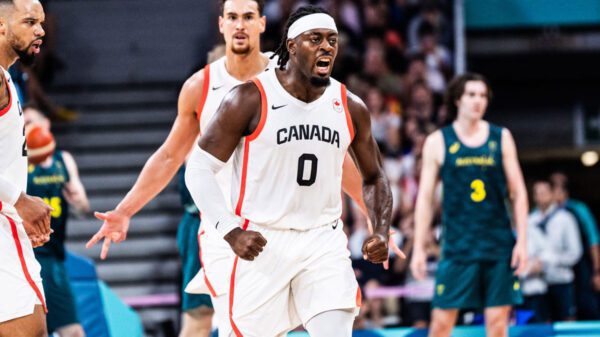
{"x": 289, "y": 131}
{"x": 241, "y": 24}
{"x": 24, "y": 220}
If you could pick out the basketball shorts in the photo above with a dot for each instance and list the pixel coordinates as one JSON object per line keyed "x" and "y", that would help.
{"x": 298, "y": 275}
{"x": 190, "y": 261}
{"x": 62, "y": 310}
{"x": 475, "y": 284}
{"x": 216, "y": 260}
{"x": 21, "y": 285}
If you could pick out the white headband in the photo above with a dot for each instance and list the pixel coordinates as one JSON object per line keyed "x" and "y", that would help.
{"x": 311, "y": 21}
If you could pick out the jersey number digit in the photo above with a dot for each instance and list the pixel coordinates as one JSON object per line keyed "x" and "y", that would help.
{"x": 55, "y": 203}
{"x": 479, "y": 193}
{"x": 313, "y": 169}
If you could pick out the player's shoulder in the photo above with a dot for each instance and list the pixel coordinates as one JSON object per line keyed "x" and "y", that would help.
{"x": 436, "y": 138}
{"x": 195, "y": 82}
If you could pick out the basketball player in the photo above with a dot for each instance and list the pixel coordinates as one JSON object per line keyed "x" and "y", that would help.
{"x": 479, "y": 169}
{"x": 24, "y": 220}
{"x": 241, "y": 24}
{"x": 56, "y": 181}
{"x": 289, "y": 131}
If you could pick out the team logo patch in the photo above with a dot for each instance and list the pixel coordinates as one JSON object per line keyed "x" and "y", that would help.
{"x": 30, "y": 168}
{"x": 454, "y": 148}
{"x": 440, "y": 289}
{"x": 516, "y": 286}
{"x": 493, "y": 146}
{"x": 337, "y": 105}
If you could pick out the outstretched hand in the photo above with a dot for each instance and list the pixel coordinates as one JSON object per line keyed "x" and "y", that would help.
{"x": 114, "y": 229}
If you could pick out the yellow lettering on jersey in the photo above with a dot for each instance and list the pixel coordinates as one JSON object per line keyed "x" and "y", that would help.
{"x": 479, "y": 193}
{"x": 55, "y": 203}
{"x": 454, "y": 148}
{"x": 45, "y": 180}
{"x": 475, "y": 161}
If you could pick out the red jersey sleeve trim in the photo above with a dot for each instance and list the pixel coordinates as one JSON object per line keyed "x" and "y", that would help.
{"x": 204, "y": 93}
{"x": 347, "y": 111}
{"x": 263, "y": 110}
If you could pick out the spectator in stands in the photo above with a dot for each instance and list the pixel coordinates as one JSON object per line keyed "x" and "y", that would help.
{"x": 437, "y": 57}
{"x": 430, "y": 12}
{"x": 533, "y": 284}
{"x": 56, "y": 181}
{"x": 562, "y": 250}
{"x": 587, "y": 270}
{"x": 381, "y": 117}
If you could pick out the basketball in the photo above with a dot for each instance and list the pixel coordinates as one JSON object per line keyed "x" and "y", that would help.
{"x": 40, "y": 144}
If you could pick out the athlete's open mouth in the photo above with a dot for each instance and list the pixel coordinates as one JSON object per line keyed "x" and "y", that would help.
{"x": 323, "y": 65}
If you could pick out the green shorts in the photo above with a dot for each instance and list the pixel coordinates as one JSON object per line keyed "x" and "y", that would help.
{"x": 475, "y": 284}
{"x": 187, "y": 241}
{"x": 60, "y": 301}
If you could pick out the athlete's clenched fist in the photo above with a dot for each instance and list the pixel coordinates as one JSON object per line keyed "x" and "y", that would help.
{"x": 245, "y": 244}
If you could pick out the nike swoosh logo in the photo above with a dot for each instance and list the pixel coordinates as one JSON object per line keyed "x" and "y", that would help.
{"x": 217, "y": 88}
{"x": 217, "y": 224}
{"x": 335, "y": 225}
{"x": 277, "y": 107}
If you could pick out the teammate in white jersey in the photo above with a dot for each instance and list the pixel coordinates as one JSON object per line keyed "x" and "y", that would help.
{"x": 241, "y": 24}
{"x": 289, "y": 131}
{"x": 24, "y": 220}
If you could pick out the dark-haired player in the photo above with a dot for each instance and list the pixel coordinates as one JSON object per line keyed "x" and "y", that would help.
{"x": 289, "y": 131}
{"x": 478, "y": 165}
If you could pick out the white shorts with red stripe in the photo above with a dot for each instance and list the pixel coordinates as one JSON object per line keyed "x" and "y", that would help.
{"x": 20, "y": 282}
{"x": 298, "y": 275}
{"x": 216, "y": 259}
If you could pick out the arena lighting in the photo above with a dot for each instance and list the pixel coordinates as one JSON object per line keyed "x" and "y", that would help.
{"x": 589, "y": 158}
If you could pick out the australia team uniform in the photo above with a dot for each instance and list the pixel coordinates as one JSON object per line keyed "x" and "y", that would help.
{"x": 48, "y": 183}
{"x": 287, "y": 186}
{"x": 21, "y": 284}
{"x": 477, "y": 239}
{"x": 215, "y": 253}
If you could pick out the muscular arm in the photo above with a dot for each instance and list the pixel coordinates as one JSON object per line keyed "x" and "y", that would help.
{"x": 164, "y": 163}
{"x": 433, "y": 156}
{"x": 376, "y": 187}
{"x": 74, "y": 191}
{"x": 518, "y": 198}
{"x": 238, "y": 116}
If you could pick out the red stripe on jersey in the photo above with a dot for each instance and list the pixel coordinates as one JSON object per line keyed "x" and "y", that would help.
{"x": 205, "y": 86}
{"x": 38, "y": 293}
{"x": 0, "y": 205}
{"x": 358, "y": 297}
{"x": 251, "y": 137}
{"x": 5, "y": 110}
{"x": 213, "y": 293}
{"x": 348, "y": 117}
{"x": 232, "y": 291}
{"x": 263, "y": 110}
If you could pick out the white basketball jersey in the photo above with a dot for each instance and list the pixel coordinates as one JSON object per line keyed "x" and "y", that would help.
{"x": 288, "y": 172}
{"x": 13, "y": 149}
{"x": 217, "y": 83}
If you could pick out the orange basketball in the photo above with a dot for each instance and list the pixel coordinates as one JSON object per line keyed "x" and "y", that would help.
{"x": 40, "y": 144}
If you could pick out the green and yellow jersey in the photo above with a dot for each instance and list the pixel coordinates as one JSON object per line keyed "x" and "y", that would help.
{"x": 47, "y": 183}
{"x": 475, "y": 219}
